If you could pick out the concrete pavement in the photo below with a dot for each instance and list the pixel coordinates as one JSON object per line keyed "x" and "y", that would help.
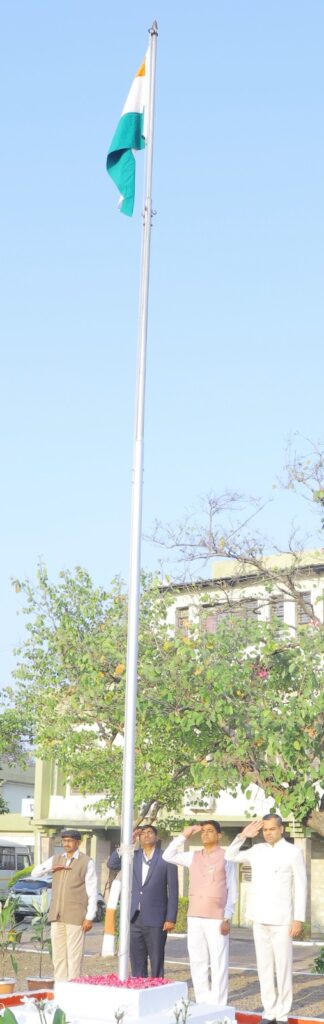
{"x": 244, "y": 989}
{"x": 242, "y": 955}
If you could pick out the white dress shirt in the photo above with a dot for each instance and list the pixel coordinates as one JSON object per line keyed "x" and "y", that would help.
{"x": 279, "y": 883}
{"x": 174, "y": 855}
{"x": 90, "y": 881}
{"x": 146, "y": 864}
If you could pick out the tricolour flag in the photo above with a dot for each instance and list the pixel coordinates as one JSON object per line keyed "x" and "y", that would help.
{"x": 130, "y": 134}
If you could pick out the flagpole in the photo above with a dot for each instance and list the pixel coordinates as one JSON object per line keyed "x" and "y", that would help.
{"x": 126, "y": 848}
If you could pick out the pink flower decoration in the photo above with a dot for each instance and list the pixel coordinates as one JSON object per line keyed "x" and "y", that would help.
{"x": 112, "y": 980}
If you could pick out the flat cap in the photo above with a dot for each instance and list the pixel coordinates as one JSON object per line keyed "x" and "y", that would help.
{"x": 71, "y": 833}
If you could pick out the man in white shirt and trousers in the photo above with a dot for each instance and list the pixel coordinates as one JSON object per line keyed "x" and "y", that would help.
{"x": 212, "y": 897}
{"x": 278, "y": 904}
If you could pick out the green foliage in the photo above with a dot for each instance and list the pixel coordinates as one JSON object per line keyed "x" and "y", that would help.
{"x": 15, "y": 739}
{"x": 181, "y": 925}
{"x": 59, "y": 1016}
{"x": 39, "y": 927}
{"x": 8, "y": 1017}
{"x": 318, "y": 964}
{"x": 20, "y": 874}
{"x": 243, "y": 705}
{"x": 9, "y": 936}
{"x": 3, "y": 806}
{"x": 319, "y": 496}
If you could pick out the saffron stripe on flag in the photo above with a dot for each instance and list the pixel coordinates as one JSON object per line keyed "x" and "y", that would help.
{"x": 129, "y": 136}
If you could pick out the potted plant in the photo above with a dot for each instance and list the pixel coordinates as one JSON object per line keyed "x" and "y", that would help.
{"x": 9, "y": 938}
{"x": 41, "y": 940}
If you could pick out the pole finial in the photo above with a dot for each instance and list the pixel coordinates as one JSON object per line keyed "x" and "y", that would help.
{"x": 154, "y": 29}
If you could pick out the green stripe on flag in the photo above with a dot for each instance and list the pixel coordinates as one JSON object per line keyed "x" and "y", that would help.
{"x": 121, "y": 161}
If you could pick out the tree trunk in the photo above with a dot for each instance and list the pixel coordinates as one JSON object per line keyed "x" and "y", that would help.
{"x": 315, "y": 821}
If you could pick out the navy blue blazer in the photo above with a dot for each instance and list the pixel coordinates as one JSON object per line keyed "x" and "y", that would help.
{"x": 158, "y": 896}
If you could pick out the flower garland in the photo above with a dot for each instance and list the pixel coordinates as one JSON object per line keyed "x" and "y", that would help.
{"x": 112, "y": 980}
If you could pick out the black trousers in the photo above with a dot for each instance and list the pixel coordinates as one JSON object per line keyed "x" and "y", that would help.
{"x": 147, "y": 942}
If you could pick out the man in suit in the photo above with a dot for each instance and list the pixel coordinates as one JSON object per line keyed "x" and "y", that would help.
{"x": 278, "y": 902}
{"x": 154, "y": 903}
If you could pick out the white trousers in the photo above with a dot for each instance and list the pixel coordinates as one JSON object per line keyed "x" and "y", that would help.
{"x": 67, "y": 950}
{"x": 273, "y": 947}
{"x": 207, "y": 947}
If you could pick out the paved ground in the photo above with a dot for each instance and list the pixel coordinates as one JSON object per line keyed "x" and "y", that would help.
{"x": 242, "y": 952}
{"x": 244, "y": 987}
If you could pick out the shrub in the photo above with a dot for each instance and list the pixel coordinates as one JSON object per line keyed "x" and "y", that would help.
{"x": 181, "y": 925}
{"x": 318, "y": 965}
{"x": 9, "y": 936}
{"x": 20, "y": 874}
{"x": 39, "y": 926}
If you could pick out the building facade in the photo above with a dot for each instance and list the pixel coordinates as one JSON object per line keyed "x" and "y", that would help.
{"x": 291, "y": 591}
{"x": 17, "y": 790}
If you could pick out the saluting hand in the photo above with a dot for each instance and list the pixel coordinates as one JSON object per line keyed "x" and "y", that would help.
{"x": 252, "y": 829}
{"x": 191, "y": 830}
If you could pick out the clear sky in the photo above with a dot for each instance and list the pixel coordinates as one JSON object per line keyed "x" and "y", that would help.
{"x": 235, "y": 361}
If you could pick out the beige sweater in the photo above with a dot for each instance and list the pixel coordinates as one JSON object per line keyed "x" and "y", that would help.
{"x": 69, "y": 898}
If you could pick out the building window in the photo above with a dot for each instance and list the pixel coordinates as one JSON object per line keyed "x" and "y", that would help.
{"x": 23, "y": 861}
{"x": 277, "y": 608}
{"x": 245, "y": 609}
{"x": 210, "y": 618}
{"x": 305, "y": 611}
{"x": 210, "y": 622}
{"x": 7, "y": 858}
{"x": 212, "y": 615}
{"x": 182, "y": 621}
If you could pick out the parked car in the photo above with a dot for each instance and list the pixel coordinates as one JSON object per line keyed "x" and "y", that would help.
{"x": 27, "y": 891}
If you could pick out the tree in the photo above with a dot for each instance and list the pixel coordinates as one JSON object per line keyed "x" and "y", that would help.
{"x": 3, "y": 806}
{"x": 241, "y": 706}
{"x": 13, "y": 743}
{"x": 224, "y": 528}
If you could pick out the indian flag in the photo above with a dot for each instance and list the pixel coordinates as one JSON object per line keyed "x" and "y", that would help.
{"x": 130, "y": 134}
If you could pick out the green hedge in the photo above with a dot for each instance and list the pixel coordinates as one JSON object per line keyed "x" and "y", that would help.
{"x": 181, "y": 925}
{"x": 20, "y": 874}
{"x": 318, "y": 965}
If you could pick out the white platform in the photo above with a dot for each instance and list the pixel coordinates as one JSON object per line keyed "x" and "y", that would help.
{"x": 101, "y": 1001}
{"x": 202, "y": 1013}
{"x": 96, "y": 1003}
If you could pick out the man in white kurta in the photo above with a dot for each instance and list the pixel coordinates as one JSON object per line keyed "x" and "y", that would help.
{"x": 278, "y": 903}
{"x": 212, "y": 896}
